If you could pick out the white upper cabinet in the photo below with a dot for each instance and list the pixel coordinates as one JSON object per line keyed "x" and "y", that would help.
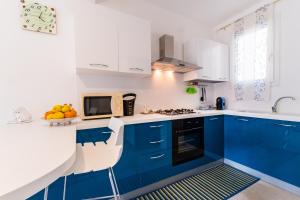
{"x": 212, "y": 56}
{"x": 134, "y": 45}
{"x": 107, "y": 40}
{"x": 96, "y": 35}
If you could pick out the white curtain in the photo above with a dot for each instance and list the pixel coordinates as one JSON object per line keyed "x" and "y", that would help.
{"x": 252, "y": 52}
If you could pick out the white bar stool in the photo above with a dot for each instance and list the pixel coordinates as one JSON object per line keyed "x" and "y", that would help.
{"x": 98, "y": 157}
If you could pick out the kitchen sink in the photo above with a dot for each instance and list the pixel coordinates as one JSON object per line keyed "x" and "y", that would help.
{"x": 257, "y": 112}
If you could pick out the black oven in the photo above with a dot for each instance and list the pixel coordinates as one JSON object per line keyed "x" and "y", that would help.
{"x": 188, "y": 139}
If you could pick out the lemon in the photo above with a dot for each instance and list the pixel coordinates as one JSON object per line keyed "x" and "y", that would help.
{"x": 59, "y": 115}
{"x": 51, "y": 116}
{"x": 57, "y": 108}
{"x": 66, "y": 108}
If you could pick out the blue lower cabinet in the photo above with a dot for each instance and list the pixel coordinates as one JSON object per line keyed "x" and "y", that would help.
{"x": 93, "y": 135}
{"x": 38, "y": 196}
{"x": 88, "y": 185}
{"x": 240, "y": 137}
{"x": 153, "y": 167}
{"x": 214, "y": 137}
{"x": 269, "y": 146}
{"x": 126, "y": 169}
{"x": 55, "y": 191}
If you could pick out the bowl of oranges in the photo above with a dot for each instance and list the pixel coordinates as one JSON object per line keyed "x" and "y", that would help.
{"x": 60, "y": 115}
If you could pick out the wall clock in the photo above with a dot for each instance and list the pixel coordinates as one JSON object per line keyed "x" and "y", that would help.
{"x": 38, "y": 17}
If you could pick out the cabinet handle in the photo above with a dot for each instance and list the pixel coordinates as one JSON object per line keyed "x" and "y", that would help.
{"x": 99, "y": 65}
{"x": 155, "y": 142}
{"x": 213, "y": 119}
{"x": 159, "y": 126}
{"x": 156, "y": 157}
{"x": 243, "y": 120}
{"x": 106, "y": 132}
{"x": 136, "y": 69}
{"x": 187, "y": 130}
{"x": 286, "y": 125}
{"x": 205, "y": 76}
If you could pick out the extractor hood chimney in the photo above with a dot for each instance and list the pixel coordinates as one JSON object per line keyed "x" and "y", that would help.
{"x": 167, "y": 62}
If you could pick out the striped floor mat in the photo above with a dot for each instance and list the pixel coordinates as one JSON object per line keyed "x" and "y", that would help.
{"x": 221, "y": 182}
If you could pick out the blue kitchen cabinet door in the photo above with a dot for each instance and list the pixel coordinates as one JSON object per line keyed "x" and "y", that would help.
{"x": 269, "y": 146}
{"x": 151, "y": 137}
{"x": 241, "y": 135}
{"x": 88, "y": 185}
{"x": 155, "y": 166}
{"x": 55, "y": 191}
{"x": 289, "y": 152}
{"x": 38, "y": 196}
{"x": 278, "y": 152}
{"x": 126, "y": 169}
{"x": 214, "y": 137}
{"x": 93, "y": 135}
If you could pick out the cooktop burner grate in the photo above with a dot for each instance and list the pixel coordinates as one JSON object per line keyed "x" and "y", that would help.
{"x": 176, "y": 111}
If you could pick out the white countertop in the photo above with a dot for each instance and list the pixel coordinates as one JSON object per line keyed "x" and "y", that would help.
{"x": 264, "y": 115}
{"x": 144, "y": 118}
{"x": 34, "y": 155}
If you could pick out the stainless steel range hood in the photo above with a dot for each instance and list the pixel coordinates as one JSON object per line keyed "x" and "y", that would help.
{"x": 167, "y": 62}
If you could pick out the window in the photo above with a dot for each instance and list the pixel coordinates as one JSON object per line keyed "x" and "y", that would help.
{"x": 253, "y": 55}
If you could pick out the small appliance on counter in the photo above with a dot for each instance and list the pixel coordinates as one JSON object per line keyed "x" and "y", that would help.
{"x": 21, "y": 115}
{"x": 220, "y": 103}
{"x": 102, "y": 105}
{"x": 128, "y": 104}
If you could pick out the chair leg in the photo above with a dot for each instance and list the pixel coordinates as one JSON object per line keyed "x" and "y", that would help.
{"x": 112, "y": 182}
{"x": 46, "y": 193}
{"x": 65, "y": 188}
{"x": 115, "y": 183}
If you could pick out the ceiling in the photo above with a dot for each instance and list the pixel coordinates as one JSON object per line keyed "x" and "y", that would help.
{"x": 207, "y": 12}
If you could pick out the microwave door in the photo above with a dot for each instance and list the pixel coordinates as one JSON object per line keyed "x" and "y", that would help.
{"x": 97, "y": 105}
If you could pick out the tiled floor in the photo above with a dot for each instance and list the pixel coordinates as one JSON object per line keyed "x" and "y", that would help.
{"x": 264, "y": 191}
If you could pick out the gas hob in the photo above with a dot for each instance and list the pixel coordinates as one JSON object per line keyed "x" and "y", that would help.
{"x": 172, "y": 112}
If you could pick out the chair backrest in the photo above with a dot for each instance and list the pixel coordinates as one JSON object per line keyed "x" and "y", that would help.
{"x": 86, "y": 154}
{"x": 117, "y": 126}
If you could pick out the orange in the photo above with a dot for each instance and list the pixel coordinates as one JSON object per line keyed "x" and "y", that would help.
{"x": 48, "y": 113}
{"x": 70, "y": 114}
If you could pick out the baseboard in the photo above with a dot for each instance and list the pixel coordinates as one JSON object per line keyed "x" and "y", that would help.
{"x": 264, "y": 177}
{"x": 170, "y": 180}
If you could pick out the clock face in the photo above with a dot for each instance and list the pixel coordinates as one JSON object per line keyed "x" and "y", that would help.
{"x": 37, "y": 17}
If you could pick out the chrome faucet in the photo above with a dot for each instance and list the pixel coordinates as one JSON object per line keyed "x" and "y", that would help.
{"x": 274, "y": 107}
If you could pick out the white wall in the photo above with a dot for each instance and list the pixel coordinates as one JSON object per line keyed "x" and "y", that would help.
{"x": 36, "y": 70}
{"x": 287, "y": 61}
{"x": 161, "y": 91}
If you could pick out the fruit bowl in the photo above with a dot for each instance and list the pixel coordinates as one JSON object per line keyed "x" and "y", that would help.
{"x": 60, "y": 115}
{"x": 60, "y": 122}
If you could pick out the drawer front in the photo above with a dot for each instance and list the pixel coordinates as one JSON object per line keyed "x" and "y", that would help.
{"x": 154, "y": 161}
{"x": 152, "y": 137}
{"x": 155, "y": 167}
